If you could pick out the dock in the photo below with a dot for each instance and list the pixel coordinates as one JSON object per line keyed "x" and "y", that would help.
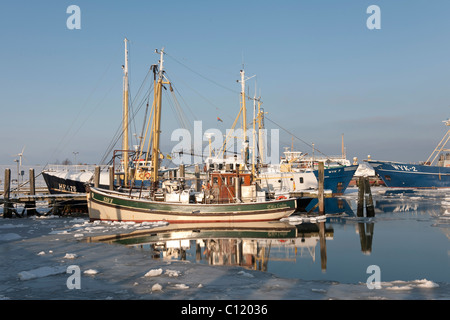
{"x": 28, "y": 196}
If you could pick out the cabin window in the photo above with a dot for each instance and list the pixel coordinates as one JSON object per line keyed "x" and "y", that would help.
{"x": 215, "y": 180}
{"x": 301, "y": 179}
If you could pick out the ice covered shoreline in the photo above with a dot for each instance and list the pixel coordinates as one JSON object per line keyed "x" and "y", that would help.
{"x": 36, "y": 254}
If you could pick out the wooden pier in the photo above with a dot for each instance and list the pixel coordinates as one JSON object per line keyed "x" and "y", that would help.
{"x": 57, "y": 203}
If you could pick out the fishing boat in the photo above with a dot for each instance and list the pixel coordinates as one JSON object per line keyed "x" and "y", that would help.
{"x": 298, "y": 172}
{"x": 433, "y": 173}
{"x": 69, "y": 179}
{"x": 220, "y": 201}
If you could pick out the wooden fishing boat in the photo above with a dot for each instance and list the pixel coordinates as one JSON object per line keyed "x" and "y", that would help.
{"x": 221, "y": 199}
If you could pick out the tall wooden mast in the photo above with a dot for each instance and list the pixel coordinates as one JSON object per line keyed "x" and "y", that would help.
{"x": 157, "y": 121}
{"x": 125, "y": 146}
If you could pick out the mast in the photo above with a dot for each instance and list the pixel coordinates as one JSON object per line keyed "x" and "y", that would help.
{"x": 244, "y": 116}
{"x": 157, "y": 121}
{"x": 125, "y": 146}
{"x": 260, "y": 131}
{"x": 254, "y": 136}
{"x": 441, "y": 146}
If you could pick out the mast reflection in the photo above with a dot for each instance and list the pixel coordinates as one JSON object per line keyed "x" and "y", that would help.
{"x": 251, "y": 245}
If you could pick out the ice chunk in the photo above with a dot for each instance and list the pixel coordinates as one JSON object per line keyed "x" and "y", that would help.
{"x": 41, "y": 272}
{"x": 153, "y": 273}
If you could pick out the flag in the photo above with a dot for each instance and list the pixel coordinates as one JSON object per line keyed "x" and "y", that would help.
{"x": 218, "y": 119}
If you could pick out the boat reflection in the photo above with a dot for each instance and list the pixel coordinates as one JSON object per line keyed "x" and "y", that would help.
{"x": 251, "y": 245}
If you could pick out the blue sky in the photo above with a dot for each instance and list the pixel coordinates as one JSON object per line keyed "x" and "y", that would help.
{"x": 320, "y": 72}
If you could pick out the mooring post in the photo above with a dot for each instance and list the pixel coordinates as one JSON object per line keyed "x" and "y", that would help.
{"x": 97, "y": 176}
{"x": 31, "y": 205}
{"x": 198, "y": 183}
{"x": 321, "y": 188}
{"x": 182, "y": 171}
{"x": 111, "y": 177}
{"x": 370, "y": 211}
{"x": 7, "y": 212}
{"x": 361, "y": 188}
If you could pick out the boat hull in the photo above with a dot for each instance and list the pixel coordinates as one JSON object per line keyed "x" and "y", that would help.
{"x": 405, "y": 175}
{"x": 112, "y": 206}
{"x": 337, "y": 179}
{"x": 60, "y": 185}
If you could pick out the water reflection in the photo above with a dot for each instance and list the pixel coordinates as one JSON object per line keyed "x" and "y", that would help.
{"x": 250, "y": 245}
{"x": 307, "y": 245}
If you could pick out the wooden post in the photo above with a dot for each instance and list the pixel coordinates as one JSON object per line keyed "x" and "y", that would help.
{"x": 198, "y": 184}
{"x": 370, "y": 211}
{"x": 31, "y": 205}
{"x": 361, "y": 188}
{"x": 237, "y": 187}
{"x": 182, "y": 171}
{"x": 7, "y": 212}
{"x": 365, "y": 197}
{"x": 321, "y": 195}
{"x": 111, "y": 177}
{"x": 97, "y": 176}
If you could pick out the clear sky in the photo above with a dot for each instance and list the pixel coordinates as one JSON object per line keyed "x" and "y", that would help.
{"x": 320, "y": 71}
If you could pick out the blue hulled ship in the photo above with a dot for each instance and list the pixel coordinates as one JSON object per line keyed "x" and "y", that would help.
{"x": 433, "y": 173}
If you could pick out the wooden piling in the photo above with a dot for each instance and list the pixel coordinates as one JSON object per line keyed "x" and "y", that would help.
{"x": 370, "y": 210}
{"x": 111, "y": 177}
{"x": 182, "y": 174}
{"x": 321, "y": 191}
{"x": 96, "y": 176}
{"x": 7, "y": 210}
{"x": 30, "y": 206}
{"x": 365, "y": 198}
{"x": 198, "y": 182}
{"x": 360, "y": 205}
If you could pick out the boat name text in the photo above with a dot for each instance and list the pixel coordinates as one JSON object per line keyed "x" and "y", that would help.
{"x": 404, "y": 168}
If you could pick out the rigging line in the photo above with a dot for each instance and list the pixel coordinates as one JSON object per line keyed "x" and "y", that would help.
{"x": 118, "y": 135}
{"x": 201, "y": 96}
{"x": 187, "y": 105}
{"x": 183, "y": 116}
{"x": 92, "y": 112}
{"x": 200, "y": 75}
{"x": 133, "y": 101}
{"x": 293, "y": 135}
{"x": 81, "y": 109}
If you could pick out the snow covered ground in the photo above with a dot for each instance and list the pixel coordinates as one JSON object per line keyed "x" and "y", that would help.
{"x": 40, "y": 258}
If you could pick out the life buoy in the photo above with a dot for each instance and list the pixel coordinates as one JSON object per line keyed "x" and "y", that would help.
{"x": 141, "y": 175}
{"x": 281, "y": 197}
{"x": 147, "y": 175}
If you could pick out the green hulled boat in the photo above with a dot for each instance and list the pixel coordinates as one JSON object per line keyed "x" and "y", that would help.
{"x": 115, "y": 206}
{"x": 224, "y": 198}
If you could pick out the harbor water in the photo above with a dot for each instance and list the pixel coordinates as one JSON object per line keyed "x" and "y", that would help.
{"x": 407, "y": 240}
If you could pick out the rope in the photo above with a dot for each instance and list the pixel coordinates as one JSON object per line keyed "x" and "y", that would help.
{"x": 296, "y": 136}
